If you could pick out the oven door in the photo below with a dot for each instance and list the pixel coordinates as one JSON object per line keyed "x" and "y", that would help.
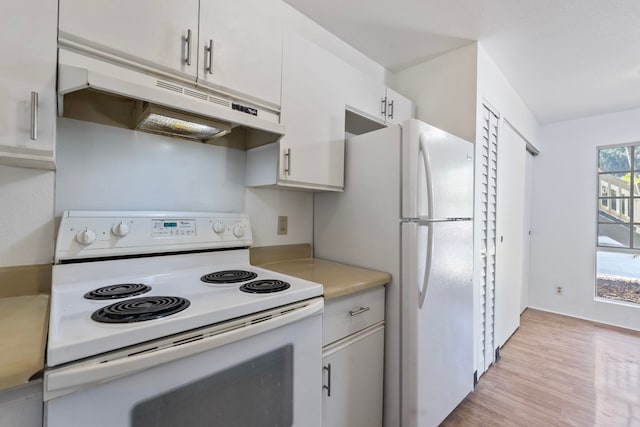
{"x": 261, "y": 370}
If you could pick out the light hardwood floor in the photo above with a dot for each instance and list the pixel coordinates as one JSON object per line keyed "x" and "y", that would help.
{"x": 558, "y": 371}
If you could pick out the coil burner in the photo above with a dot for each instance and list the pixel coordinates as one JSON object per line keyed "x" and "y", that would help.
{"x": 140, "y": 309}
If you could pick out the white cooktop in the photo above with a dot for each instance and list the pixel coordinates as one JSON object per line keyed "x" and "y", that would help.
{"x": 74, "y": 335}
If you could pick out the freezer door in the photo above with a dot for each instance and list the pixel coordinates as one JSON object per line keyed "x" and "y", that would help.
{"x": 437, "y": 320}
{"x": 437, "y": 173}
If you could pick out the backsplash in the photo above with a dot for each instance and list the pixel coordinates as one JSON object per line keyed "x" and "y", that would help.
{"x": 25, "y": 280}
{"x": 26, "y": 216}
{"x": 106, "y": 168}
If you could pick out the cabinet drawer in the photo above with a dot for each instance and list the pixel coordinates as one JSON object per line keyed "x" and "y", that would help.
{"x": 346, "y": 315}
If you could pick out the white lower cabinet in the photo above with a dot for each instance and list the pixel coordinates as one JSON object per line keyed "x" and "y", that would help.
{"x": 21, "y": 406}
{"x": 352, "y": 392}
{"x": 353, "y": 364}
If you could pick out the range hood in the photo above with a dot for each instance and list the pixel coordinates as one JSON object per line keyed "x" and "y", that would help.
{"x": 95, "y": 90}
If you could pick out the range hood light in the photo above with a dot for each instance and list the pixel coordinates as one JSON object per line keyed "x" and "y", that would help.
{"x": 163, "y": 121}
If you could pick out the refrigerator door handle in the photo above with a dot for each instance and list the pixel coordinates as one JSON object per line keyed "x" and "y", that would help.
{"x": 427, "y": 265}
{"x": 427, "y": 171}
{"x": 429, "y": 188}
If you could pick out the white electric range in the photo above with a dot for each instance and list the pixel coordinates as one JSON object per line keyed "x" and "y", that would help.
{"x": 150, "y": 310}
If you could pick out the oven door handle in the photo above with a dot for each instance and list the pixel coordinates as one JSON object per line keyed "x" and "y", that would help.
{"x": 67, "y": 379}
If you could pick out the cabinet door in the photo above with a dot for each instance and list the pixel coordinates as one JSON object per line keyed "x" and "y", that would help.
{"x": 313, "y": 111}
{"x": 399, "y": 108}
{"x": 353, "y": 370}
{"x": 366, "y": 96}
{"x": 241, "y": 47}
{"x": 148, "y": 32}
{"x": 22, "y": 406}
{"x": 28, "y": 51}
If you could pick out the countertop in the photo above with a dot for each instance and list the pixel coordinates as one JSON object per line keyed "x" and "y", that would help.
{"x": 23, "y": 328}
{"x": 337, "y": 279}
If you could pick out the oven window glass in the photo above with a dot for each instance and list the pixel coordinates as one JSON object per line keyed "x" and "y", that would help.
{"x": 258, "y": 392}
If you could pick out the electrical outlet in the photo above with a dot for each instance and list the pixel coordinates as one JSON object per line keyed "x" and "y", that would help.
{"x": 559, "y": 290}
{"x": 282, "y": 225}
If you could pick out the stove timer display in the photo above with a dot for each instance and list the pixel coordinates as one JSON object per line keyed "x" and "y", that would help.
{"x": 173, "y": 228}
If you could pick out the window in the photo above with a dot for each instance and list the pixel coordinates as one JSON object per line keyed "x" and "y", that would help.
{"x": 618, "y": 245}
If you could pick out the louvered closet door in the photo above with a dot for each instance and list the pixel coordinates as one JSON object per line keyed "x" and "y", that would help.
{"x": 487, "y": 194}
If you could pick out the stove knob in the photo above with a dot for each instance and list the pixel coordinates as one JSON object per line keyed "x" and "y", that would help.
{"x": 238, "y": 231}
{"x": 121, "y": 229}
{"x": 86, "y": 236}
{"x": 218, "y": 227}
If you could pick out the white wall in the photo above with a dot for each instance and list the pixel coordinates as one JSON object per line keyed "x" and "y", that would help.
{"x": 564, "y": 217}
{"x": 265, "y": 205}
{"x": 449, "y": 89}
{"x": 26, "y": 216}
{"x": 295, "y": 20}
{"x": 444, "y": 90}
{"x": 494, "y": 88}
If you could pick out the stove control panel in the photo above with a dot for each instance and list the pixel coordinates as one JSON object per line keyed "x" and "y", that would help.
{"x": 173, "y": 228}
{"x": 89, "y": 234}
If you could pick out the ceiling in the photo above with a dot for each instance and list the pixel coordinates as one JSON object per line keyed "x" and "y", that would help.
{"x": 566, "y": 58}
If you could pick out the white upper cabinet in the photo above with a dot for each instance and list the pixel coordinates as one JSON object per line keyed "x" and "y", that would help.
{"x": 231, "y": 46}
{"x": 241, "y": 47}
{"x": 312, "y": 151}
{"x": 311, "y": 154}
{"x": 317, "y": 88}
{"x": 161, "y": 34}
{"x": 28, "y": 83}
{"x": 372, "y": 99}
{"x": 366, "y": 96}
{"x": 398, "y": 108}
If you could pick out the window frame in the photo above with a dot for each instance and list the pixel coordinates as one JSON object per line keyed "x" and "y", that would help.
{"x": 613, "y": 203}
{"x": 634, "y": 174}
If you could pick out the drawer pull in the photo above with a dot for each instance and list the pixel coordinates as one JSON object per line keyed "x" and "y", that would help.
{"x": 34, "y": 116}
{"x": 287, "y": 162}
{"x": 209, "y": 51}
{"x": 359, "y": 311}
{"x": 328, "y": 386}
{"x": 187, "y": 41}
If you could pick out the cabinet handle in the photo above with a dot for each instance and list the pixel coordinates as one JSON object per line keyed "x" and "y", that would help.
{"x": 287, "y": 162}
{"x": 187, "y": 41}
{"x": 383, "y": 108}
{"x": 34, "y": 116}
{"x": 209, "y": 51}
{"x": 328, "y": 386}
{"x": 391, "y": 110}
{"x": 359, "y": 311}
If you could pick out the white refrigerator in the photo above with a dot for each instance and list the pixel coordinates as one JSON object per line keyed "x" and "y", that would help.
{"x": 407, "y": 209}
